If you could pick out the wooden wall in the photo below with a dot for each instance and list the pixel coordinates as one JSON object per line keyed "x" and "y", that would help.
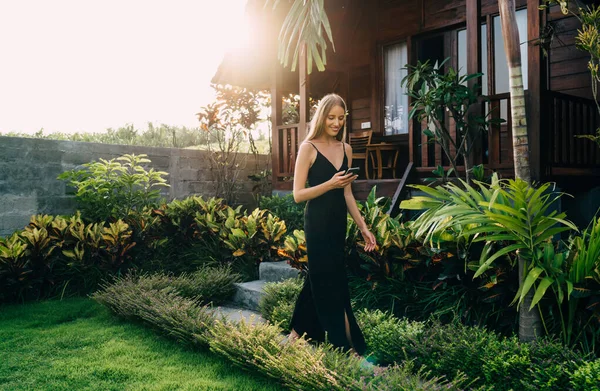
{"x": 398, "y": 19}
{"x": 360, "y": 28}
{"x": 567, "y": 65}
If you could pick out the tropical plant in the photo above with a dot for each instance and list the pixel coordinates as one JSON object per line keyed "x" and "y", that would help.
{"x": 286, "y": 209}
{"x": 439, "y": 97}
{"x": 510, "y": 217}
{"x": 304, "y": 24}
{"x": 582, "y": 269}
{"x": 93, "y": 252}
{"x": 253, "y": 238}
{"x": 390, "y": 235}
{"x": 54, "y": 255}
{"x": 294, "y": 250}
{"x": 112, "y": 189}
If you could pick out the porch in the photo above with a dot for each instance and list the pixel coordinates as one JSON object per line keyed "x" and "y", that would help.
{"x": 366, "y": 34}
{"x": 564, "y": 154}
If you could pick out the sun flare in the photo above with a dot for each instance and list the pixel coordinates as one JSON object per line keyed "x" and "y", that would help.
{"x": 81, "y": 66}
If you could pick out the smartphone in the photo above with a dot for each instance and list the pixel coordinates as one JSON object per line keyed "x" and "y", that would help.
{"x": 352, "y": 170}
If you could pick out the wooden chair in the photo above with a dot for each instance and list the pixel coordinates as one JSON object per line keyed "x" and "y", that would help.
{"x": 359, "y": 142}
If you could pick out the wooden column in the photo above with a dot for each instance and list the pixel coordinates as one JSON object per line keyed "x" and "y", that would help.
{"x": 275, "y": 122}
{"x": 473, "y": 38}
{"x": 304, "y": 104}
{"x": 474, "y": 54}
{"x": 535, "y": 72}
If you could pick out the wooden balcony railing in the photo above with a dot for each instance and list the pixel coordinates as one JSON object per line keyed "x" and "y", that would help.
{"x": 493, "y": 149}
{"x": 567, "y": 117}
{"x": 497, "y": 151}
{"x": 285, "y": 149}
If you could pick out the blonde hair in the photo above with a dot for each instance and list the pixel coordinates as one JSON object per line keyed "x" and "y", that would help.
{"x": 317, "y": 125}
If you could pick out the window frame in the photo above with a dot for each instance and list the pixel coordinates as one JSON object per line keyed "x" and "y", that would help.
{"x": 380, "y": 110}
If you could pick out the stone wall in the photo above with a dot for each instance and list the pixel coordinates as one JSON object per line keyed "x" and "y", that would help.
{"x": 29, "y": 167}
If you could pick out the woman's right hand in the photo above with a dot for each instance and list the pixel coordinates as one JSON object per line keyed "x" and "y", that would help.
{"x": 339, "y": 180}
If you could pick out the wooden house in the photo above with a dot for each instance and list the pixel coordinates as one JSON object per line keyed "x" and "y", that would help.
{"x": 374, "y": 39}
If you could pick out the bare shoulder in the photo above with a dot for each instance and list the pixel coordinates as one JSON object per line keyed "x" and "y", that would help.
{"x": 348, "y": 148}
{"x": 306, "y": 147}
{"x": 307, "y": 150}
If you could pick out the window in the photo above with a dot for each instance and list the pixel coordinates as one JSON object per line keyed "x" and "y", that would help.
{"x": 500, "y": 74}
{"x": 395, "y": 58}
{"x": 500, "y": 67}
{"x": 462, "y": 56}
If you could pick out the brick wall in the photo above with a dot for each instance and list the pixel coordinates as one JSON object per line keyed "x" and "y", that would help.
{"x": 29, "y": 167}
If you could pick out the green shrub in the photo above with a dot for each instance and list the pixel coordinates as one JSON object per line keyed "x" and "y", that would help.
{"x": 277, "y": 303}
{"x": 211, "y": 283}
{"x": 286, "y": 209}
{"x": 490, "y": 360}
{"x": 110, "y": 190}
{"x": 186, "y": 236}
{"x": 386, "y": 335}
{"x": 259, "y": 346}
{"x": 452, "y": 349}
{"x": 299, "y": 365}
{"x": 505, "y": 363}
{"x": 405, "y": 377}
{"x": 208, "y": 284}
{"x": 58, "y": 256}
{"x": 163, "y": 309}
{"x": 587, "y": 377}
{"x": 196, "y": 232}
{"x": 551, "y": 366}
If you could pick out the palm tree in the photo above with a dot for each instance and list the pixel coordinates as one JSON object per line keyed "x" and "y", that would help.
{"x": 530, "y": 325}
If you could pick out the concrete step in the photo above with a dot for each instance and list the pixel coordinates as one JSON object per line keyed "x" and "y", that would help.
{"x": 276, "y": 271}
{"x": 248, "y": 294}
{"x": 234, "y": 314}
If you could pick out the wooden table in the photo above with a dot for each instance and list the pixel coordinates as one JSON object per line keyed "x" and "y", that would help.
{"x": 391, "y": 160}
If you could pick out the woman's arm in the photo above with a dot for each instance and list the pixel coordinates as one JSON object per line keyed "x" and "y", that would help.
{"x": 369, "y": 238}
{"x": 306, "y": 156}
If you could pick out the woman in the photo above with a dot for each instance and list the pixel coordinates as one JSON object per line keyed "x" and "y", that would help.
{"x": 323, "y": 308}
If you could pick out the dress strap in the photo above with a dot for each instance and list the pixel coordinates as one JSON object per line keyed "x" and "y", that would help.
{"x": 344, "y": 147}
{"x": 313, "y": 146}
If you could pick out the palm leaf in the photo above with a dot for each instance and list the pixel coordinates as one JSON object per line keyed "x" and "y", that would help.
{"x": 486, "y": 262}
{"x": 541, "y": 290}
{"x": 304, "y": 23}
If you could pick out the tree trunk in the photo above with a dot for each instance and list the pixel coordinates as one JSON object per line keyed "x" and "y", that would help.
{"x": 517, "y": 93}
{"x": 530, "y": 325}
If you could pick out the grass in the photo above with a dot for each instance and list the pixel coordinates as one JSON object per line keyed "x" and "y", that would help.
{"x": 76, "y": 344}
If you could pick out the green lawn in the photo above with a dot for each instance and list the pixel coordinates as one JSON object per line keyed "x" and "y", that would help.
{"x": 76, "y": 344}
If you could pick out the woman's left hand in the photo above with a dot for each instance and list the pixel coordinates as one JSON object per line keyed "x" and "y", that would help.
{"x": 369, "y": 239}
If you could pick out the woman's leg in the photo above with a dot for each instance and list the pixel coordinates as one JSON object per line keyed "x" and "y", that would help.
{"x": 293, "y": 335}
{"x": 348, "y": 333}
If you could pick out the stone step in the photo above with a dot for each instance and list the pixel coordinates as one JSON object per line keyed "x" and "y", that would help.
{"x": 276, "y": 271}
{"x": 234, "y": 314}
{"x": 248, "y": 294}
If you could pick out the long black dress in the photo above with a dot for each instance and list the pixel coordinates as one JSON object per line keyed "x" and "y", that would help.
{"x": 324, "y": 298}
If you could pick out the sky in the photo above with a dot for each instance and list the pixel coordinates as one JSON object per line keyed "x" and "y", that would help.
{"x": 85, "y": 66}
